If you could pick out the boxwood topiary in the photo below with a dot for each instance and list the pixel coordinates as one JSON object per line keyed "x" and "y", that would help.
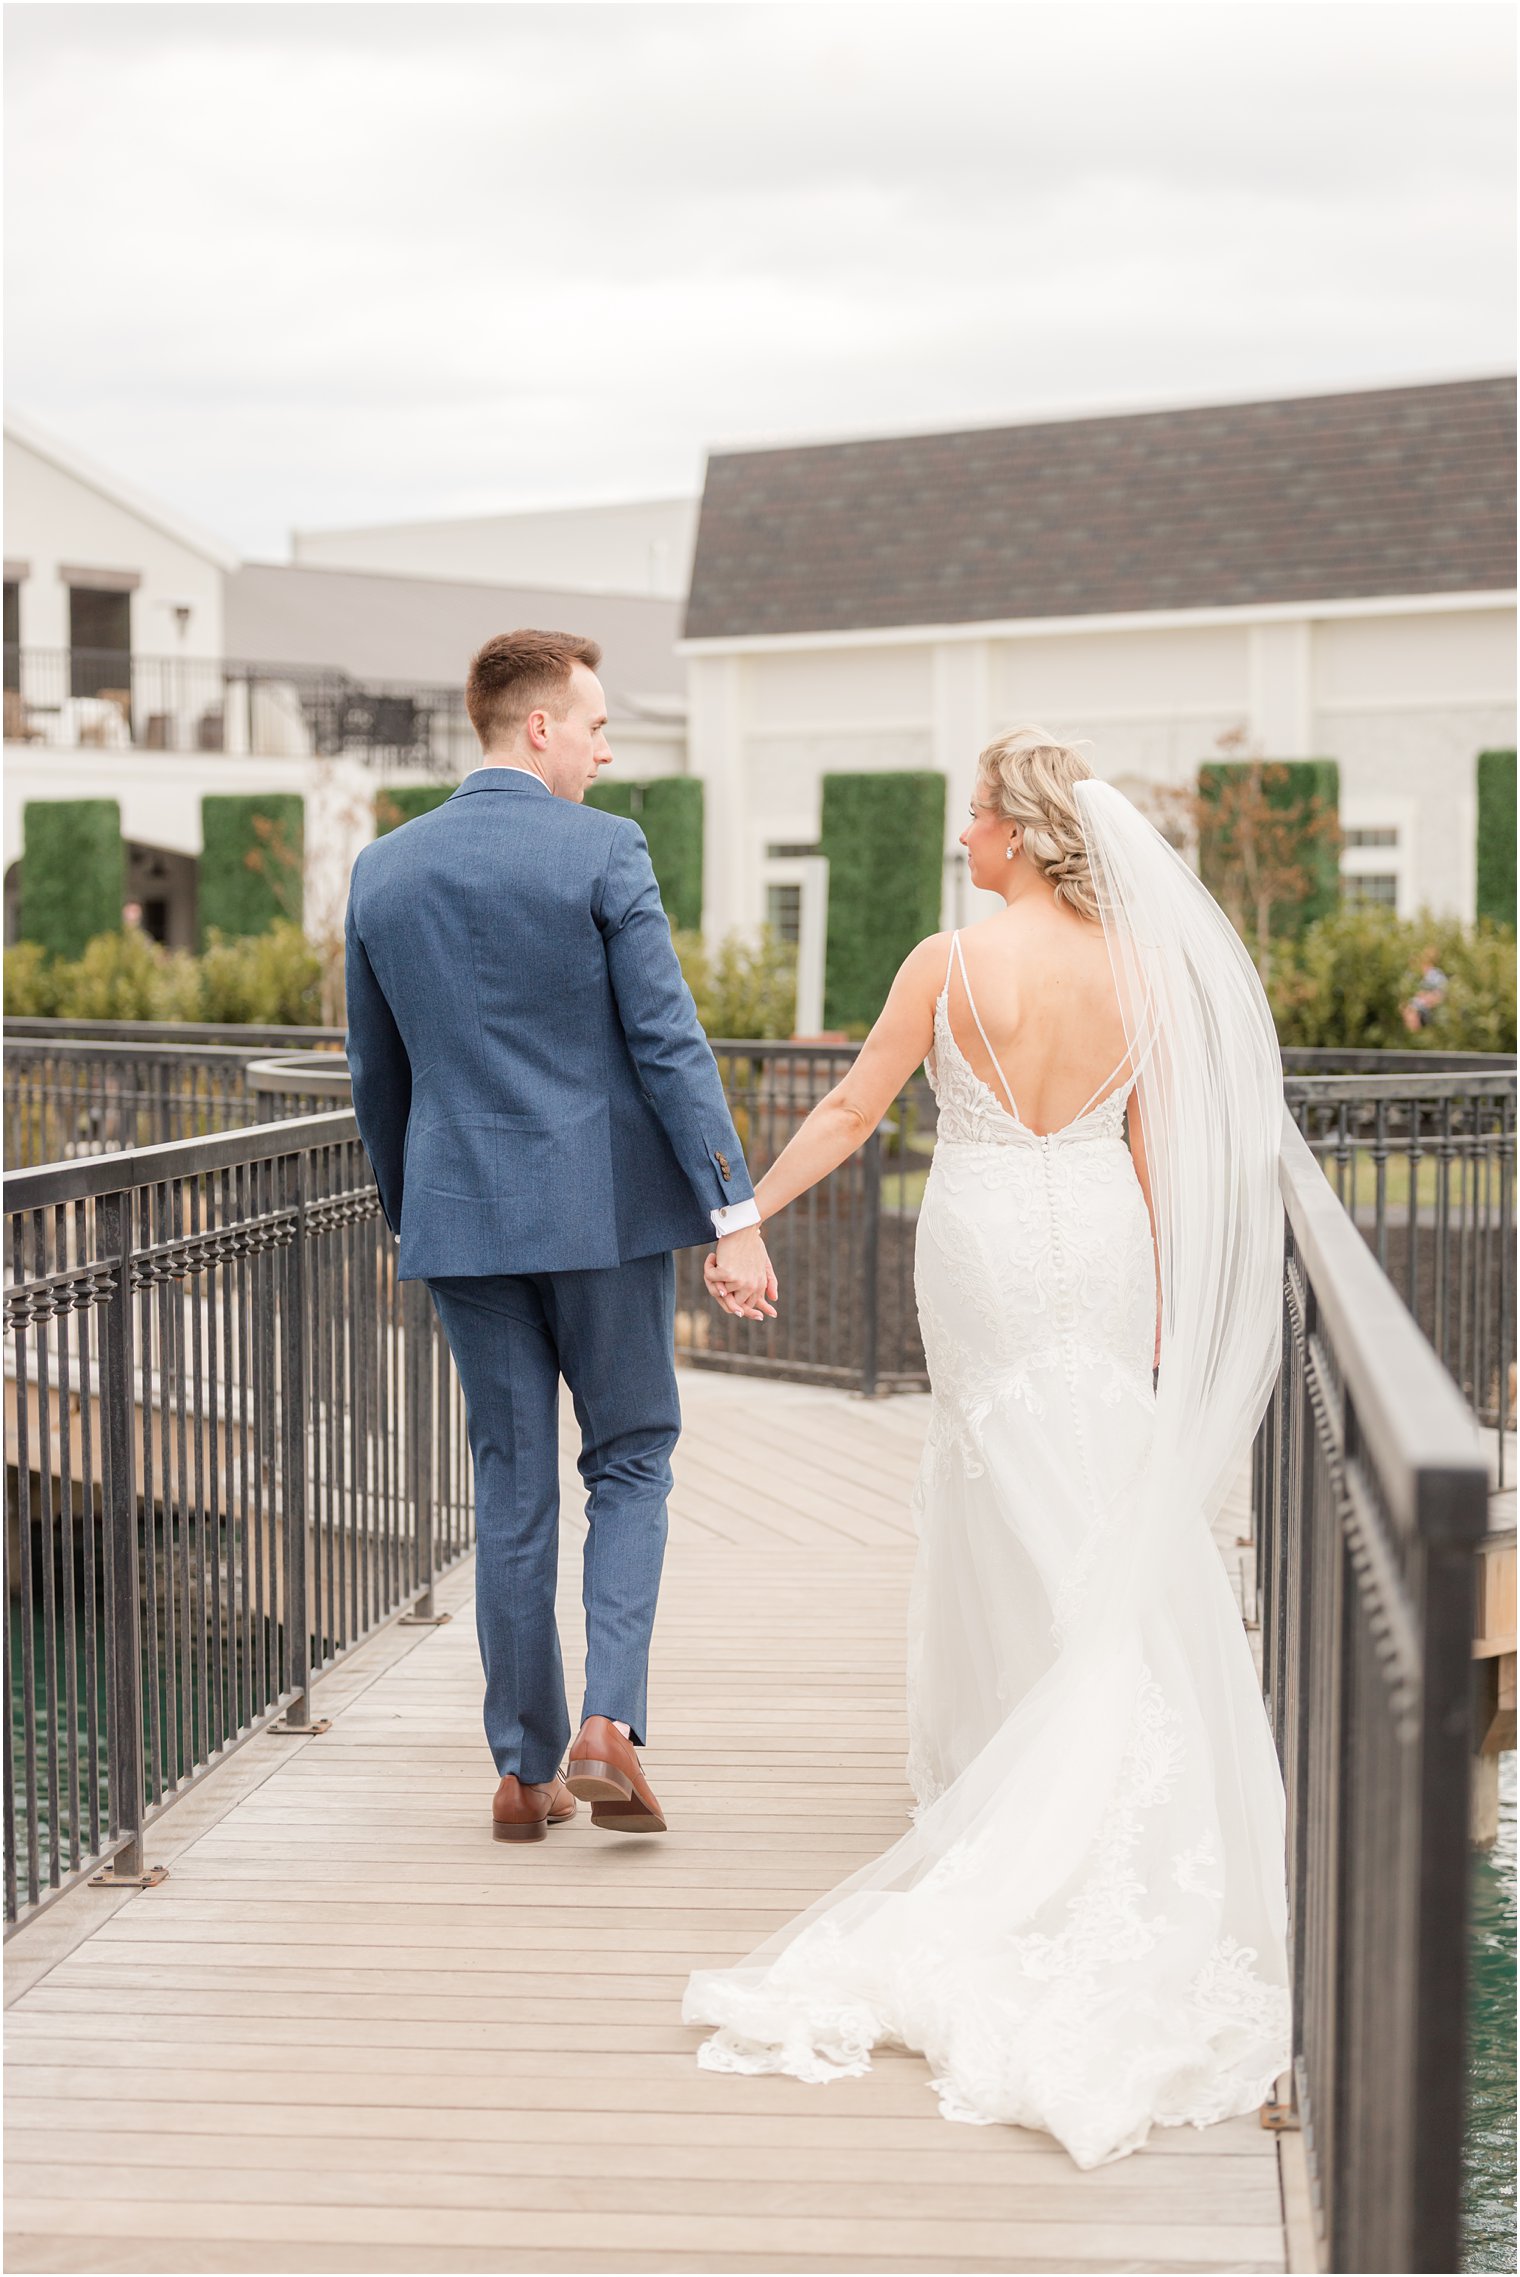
{"x": 73, "y": 873}
{"x": 252, "y": 861}
{"x": 1496, "y": 836}
{"x": 884, "y": 836}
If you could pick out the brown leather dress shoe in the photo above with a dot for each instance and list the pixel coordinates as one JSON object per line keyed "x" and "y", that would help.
{"x": 603, "y": 1770}
{"x": 525, "y": 1814}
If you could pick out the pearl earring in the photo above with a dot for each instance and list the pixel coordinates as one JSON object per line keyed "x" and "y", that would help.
{"x": 1009, "y": 851}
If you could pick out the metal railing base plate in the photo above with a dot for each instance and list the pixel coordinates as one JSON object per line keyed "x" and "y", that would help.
{"x": 109, "y": 1879}
{"x": 285, "y": 1729}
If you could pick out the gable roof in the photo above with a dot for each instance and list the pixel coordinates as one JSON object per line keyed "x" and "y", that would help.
{"x": 1316, "y": 498}
{"x": 88, "y": 471}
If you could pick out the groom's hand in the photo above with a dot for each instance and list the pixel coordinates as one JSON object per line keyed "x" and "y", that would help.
{"x": 740, "y": 1277}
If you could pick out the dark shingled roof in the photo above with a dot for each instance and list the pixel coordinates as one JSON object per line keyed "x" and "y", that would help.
{"x": 1322, "y": 498}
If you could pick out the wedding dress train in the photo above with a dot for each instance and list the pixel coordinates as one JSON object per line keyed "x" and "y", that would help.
{"x": 1083, "y": 1929}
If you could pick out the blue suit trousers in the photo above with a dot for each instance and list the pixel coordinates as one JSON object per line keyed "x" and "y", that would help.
{"x": 610, "y": 1332}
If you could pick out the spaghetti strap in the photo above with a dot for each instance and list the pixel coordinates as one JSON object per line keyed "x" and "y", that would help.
{"x": 1103, "y": 1090}
{"x": 960, "y": 958}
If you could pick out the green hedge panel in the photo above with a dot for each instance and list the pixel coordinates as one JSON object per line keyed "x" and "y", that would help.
{"x": 669, "y": 811}
{"x": 403, "y": 802}
{"x": 73, "y": 873}
{"x": 1496, "y": 836}
{"x": 251, "y": 878}
{"x": 1313, "y": 784}
{"x": 884, "y": 836}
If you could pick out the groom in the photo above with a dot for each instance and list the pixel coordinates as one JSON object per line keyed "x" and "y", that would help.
{"x": 546, "y": 1125}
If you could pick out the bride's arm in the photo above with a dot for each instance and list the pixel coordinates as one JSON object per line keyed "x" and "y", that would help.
{"x": 845, "y": 1118}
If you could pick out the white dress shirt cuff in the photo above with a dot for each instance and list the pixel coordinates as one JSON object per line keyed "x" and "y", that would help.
{"x": 735, "y": 1216}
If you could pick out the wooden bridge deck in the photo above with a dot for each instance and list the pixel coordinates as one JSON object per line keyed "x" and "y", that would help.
{"x": 351, "y": 2033}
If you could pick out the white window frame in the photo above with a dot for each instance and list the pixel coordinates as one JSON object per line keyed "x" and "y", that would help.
{"x": 1375, "y": 812}
{"x": 811, "y": 873}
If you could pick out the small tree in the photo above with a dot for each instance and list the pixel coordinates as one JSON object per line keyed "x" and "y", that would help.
{"x": 1266, "y": 841}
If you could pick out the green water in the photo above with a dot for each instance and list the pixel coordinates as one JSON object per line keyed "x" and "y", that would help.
{"x": 1488, "y": 2225}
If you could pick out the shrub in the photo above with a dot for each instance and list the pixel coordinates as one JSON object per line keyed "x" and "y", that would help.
{"x": 1496, "y": 836}
{"x": 669, "y": 812}
{"x": 403, "y": 802}
{"x": 30, "y": 990}
{"x": 118, "y": 978}
{"x": 73, "y": 873}
{"x": 1345, "y": 984}
{"x": 268, "y": 979}
{"x": 747, "y": 989}
{"x": 252, "y": 861}
{"x": 884, "y": 836}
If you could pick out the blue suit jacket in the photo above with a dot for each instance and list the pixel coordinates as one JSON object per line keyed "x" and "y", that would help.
{"x": 530, "y": 1077}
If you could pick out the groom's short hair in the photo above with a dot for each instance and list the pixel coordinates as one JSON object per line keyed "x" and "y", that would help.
{"x": 516, "y": 672}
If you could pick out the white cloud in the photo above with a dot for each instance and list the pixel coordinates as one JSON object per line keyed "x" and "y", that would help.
{"x": 306, "y": 263}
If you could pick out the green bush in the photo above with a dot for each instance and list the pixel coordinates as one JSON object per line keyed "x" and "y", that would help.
{"x": 669, "y": 812}
{"x": 266, "y": 979}
{"x": 30, "y": 990}
{"x": 403, "y": 802}
{"x": 884, "y": 836}
{"x": 747, "y": 989}
{"x": 1344, "y": 985}
{"x": 121, "y": 976}
{"x": 253, "y": 852}
{"x": 1307, "y": 843}
{"x": 1496, "y": 836}
{"x": 73, "y": 873}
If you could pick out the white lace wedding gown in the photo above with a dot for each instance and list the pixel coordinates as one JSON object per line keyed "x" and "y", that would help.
{"x": 1083, "y": 1931}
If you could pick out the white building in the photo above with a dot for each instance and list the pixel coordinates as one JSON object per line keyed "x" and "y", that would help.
{"x": 642, "y": 547}
{"x": 1330, "y": 577}
{"x": 145, "y": 663}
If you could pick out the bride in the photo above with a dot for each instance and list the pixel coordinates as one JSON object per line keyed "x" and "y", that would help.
{"x": 1083, "y": 1928}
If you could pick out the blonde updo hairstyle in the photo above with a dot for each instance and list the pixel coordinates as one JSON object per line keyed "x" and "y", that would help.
{"x": 1028, "y": 777}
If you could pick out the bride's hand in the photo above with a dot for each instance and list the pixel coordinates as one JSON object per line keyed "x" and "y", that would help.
{"x": 724, "y": 1293}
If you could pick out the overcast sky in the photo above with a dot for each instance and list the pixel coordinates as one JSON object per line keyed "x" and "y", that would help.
{"x": 295, "y": 264}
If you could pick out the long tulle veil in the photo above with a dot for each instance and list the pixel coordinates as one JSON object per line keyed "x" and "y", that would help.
{"x": 1012, "y": 1839}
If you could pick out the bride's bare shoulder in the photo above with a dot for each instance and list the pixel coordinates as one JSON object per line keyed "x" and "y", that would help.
{"x": 923, "y": 968}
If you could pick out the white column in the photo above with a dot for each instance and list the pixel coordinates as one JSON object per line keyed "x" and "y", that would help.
{"x": 962, "y": 728}
{"x": 340, "y": 821}
{"x": 716, "y": 747}
{"x": 1281, "y": 691}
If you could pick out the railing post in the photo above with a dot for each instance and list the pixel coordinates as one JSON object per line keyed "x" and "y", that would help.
{"x": 417, "y": 1332}
{"x": 124, "y": 1670}
{"x": 295, "y": 1403}
{"x": 870, "y": 1263}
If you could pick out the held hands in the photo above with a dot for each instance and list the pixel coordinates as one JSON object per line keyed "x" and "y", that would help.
{"x": 739, "y": 1276}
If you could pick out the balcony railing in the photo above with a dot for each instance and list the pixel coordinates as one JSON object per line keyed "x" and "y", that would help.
{"x": 106, "y": 700}
{"x": 1423, "y": 1160}
{"x": 238, "y": 1445}
{"x": 1369, "y": 1499}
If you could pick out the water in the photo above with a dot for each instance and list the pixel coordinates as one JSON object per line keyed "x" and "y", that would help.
{"x": 1488, "y": 2225}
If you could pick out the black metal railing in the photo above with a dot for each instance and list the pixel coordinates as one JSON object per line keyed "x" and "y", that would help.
{"x": 235, "y": 1445}
{"x": 109, "y": 699}
{"x": 70, "y": 1097}
{"x": 1423, "y": 1162}
{"x": 1369, "y": 1497}
{"x": 843, "y": 1253}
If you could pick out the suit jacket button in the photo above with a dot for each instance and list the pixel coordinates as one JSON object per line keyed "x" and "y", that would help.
{"x": 723, "y": 1166}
